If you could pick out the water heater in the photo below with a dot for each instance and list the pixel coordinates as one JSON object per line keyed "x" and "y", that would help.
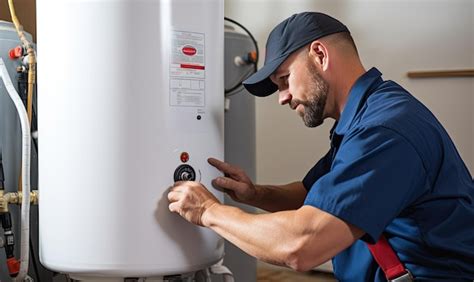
{"x": 130, "y": 99}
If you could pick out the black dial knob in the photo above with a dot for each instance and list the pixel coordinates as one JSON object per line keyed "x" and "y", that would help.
{"x": 184, "y": 173}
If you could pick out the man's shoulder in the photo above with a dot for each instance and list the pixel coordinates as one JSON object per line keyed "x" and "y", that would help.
{"x": 391, "y": 106}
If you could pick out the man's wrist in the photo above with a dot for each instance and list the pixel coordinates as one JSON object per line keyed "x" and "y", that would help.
{"x": 207, "y": 215}
{"x": 259, "y": 194}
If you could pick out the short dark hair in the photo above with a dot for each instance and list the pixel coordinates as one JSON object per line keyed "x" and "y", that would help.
{"x": 347, "y": 38}
{"x": 341, "y": 38}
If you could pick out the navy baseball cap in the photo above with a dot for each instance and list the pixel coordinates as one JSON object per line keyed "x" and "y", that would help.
{"x": 287, "y": 37}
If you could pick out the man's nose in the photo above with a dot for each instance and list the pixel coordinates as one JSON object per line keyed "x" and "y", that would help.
{"x": 284, "y": 97}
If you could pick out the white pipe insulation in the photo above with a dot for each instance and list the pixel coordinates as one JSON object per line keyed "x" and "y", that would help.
{"x": 25, "y": 160}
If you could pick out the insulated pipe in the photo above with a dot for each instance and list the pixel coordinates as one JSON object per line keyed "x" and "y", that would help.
{"x": 25, "y": 160}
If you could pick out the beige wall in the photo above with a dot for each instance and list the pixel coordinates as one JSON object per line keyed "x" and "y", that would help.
{"x": 395, "y": 36}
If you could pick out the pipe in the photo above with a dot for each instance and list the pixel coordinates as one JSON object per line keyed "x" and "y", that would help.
{"x": 220, "y": 269}
{"x": 25, "y": 127}
{"x": 25, "y": 160}
{"x": 2, "y": 175}
{"x": 31, "y": 65}
{"x": 31, "y": 58}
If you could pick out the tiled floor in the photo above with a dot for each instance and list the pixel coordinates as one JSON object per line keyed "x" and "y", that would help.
{"x": 270, "y": 273}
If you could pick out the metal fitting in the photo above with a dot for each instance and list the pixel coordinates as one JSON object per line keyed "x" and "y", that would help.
{"x": 21, "y": 69}
{"x": 15, "y": 198}
{"x": 3, "y": 202}
{"x": 34, "y": 197}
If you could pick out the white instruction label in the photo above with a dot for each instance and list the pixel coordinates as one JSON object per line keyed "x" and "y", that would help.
{"x": 187, "y": 69}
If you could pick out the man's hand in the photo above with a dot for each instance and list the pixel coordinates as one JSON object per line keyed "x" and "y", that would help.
{"x": 235, "y": 183}
{"x": 191, "y": 200}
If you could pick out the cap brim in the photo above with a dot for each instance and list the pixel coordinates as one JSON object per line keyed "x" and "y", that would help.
{"x": 260, "y": 84}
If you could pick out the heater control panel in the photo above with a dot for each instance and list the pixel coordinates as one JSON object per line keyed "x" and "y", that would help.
{"x": 184, "y": 172}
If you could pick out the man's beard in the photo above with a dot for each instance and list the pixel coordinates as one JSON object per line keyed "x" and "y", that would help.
{"x": 314, "y": 108}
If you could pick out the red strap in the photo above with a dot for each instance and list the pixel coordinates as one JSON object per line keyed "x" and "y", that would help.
{"x": 387, "y": 258}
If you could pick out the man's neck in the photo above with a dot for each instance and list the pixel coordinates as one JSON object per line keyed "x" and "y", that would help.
{"x": 346, "y": 82}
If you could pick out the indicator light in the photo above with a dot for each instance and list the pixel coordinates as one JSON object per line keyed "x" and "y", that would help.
{"x": 184, "y": 157}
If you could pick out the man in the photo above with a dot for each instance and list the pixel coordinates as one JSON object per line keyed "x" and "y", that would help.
{"x": 392, "y": 171}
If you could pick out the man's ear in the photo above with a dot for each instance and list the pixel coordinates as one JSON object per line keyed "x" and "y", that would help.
{"x": 320, "y": 54}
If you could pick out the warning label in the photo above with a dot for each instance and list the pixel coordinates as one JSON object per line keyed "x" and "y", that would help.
{"x": 187, "y": 69}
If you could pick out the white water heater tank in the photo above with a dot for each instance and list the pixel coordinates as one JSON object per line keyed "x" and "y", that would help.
{"x": 130, "y": 98}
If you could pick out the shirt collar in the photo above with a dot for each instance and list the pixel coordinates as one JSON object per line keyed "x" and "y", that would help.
{"x": 356, "y": 99}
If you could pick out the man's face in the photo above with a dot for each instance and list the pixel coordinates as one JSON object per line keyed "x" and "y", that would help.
{"x": 302, "y": 87}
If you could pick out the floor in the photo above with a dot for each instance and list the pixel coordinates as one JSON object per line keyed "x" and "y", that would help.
{"x": 270, "y": 273}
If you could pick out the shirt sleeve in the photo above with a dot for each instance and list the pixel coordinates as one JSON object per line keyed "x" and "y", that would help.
{"x": 375, "y": 175}
{"x": 319, "y": 169}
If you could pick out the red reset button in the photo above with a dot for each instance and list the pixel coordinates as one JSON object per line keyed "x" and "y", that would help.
{"x": 184, "y": 157}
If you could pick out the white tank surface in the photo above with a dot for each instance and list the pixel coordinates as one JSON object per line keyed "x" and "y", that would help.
{"x": 125, "y": 87}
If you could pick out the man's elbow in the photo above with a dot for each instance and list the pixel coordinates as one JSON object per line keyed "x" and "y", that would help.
{"x": 300, "y": 259}
{"x": 299, "y": 263}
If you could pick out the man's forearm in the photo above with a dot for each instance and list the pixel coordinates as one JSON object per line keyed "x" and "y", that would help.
{"x": 300, "y": 239}
{"x": 274, "y": 198}
{"x": 260, "y": 235}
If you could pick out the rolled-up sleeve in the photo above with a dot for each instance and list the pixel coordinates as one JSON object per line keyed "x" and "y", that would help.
{"x": 376, "y": 174}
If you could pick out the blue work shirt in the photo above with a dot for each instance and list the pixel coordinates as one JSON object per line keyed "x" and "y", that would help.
{"x": 393, "y": 169}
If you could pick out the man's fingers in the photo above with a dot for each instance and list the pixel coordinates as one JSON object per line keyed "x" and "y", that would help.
{"x": 174, "y": 207}
{"x": 179, "y": 186}
{"x": 217, "y": 187}
{"x": 225, "y": 183}
{"x": 224, "y": 167}
{"x": 174, "y": 196}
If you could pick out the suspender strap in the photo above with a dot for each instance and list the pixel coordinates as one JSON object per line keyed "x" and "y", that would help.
{"x": 388, "y": 260}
